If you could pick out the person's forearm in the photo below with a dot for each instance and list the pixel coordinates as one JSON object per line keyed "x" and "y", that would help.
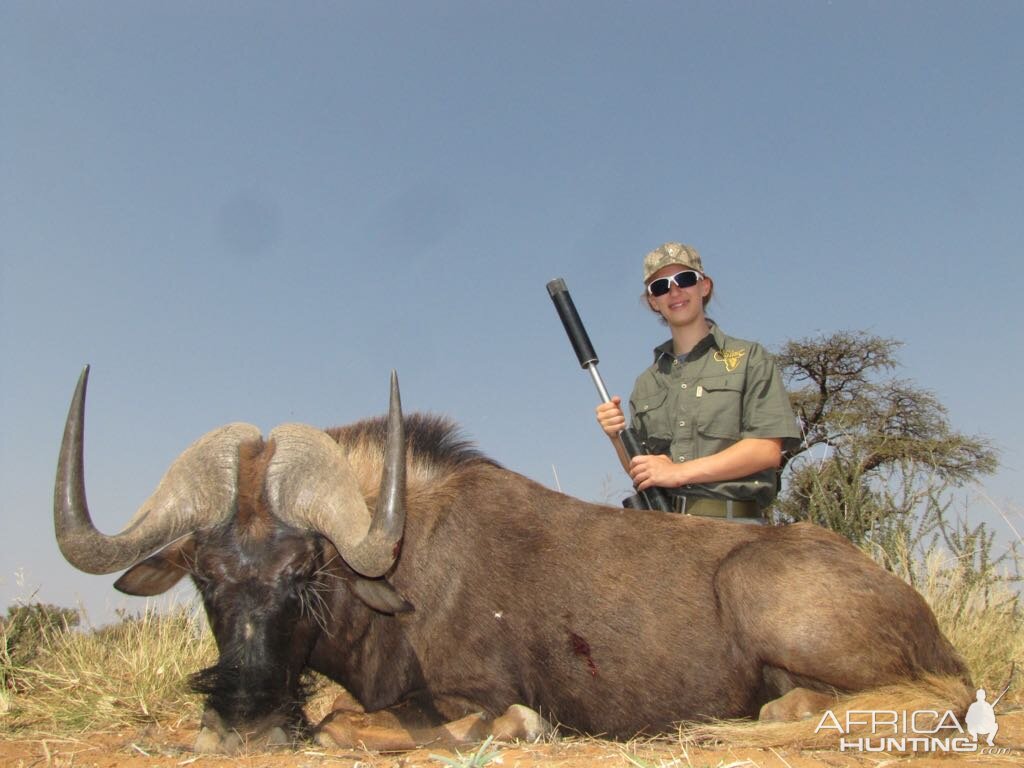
{"x": 620, "y": 449}
{"x": 742, "y": 459}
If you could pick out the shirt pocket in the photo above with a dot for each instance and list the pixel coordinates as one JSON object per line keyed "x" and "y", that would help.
{"x": 652, "y": 418}
{"x": 720, "y": 407}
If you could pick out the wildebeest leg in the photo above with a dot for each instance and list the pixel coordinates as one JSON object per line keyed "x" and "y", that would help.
{"x": 816, "y": 607}
{"x": 520, "y": 723}
{"x": 794, "y": 702}
{"x": 796, "y": 705}
{"x": 408, "y": 727}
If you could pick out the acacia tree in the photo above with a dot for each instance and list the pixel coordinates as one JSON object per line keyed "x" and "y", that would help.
{"x": 879, "y": 454}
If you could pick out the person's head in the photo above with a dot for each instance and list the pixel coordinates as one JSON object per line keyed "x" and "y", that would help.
{"x": 674, "y": 272}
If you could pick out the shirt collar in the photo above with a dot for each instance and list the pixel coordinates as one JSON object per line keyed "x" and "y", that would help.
{"x": 714, "y": 338}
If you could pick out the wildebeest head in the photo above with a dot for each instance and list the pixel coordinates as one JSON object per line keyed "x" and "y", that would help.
{"x": 255, "y": 523}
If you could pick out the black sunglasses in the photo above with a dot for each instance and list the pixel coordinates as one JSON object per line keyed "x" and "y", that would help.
{"x": 685, "y": 279}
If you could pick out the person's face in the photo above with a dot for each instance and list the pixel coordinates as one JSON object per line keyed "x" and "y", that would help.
{"x": 680, "y": 306}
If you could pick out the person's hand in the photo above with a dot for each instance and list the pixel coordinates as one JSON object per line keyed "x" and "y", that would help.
{"x": 610, "y": 417}
{"x": 658, "y": 469}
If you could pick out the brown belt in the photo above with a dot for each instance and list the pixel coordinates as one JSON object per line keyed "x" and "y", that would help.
{"x": 717, "y": 508}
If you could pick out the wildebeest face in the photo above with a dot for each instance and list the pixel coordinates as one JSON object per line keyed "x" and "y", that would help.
{"x": 264, "y": 609}
{"x": 261, "y": 591}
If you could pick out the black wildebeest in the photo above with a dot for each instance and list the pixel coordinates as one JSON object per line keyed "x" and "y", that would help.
{"x": 470, "y": 588}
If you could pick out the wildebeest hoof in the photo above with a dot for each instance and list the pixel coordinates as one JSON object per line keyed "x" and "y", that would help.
{"x": 466, "y": 730}
{"x": 276, "y": 737}
{"x": 210, "y": 742}
{"x": 795, "y": 705}
{"x": 520, "y": 723}
{"x": 215, "y": 737}
{"x": 207, "y": 742}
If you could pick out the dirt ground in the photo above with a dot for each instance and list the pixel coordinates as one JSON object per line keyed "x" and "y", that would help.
{"x": 157, "y": 747}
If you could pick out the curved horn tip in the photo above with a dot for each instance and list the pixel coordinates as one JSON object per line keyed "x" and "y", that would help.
{"x": 83, "y": 380}
{"x": 396, "y": 397}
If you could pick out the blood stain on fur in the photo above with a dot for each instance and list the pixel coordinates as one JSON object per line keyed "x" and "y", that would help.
{"x": 582, "y": 648}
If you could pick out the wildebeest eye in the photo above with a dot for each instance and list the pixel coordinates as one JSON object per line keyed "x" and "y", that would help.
{"x": 201, "y": 581}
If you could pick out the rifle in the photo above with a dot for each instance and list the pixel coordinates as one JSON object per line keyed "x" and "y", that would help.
{"x": 653, "y": 497}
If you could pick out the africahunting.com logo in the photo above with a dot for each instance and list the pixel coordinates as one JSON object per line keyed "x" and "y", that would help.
{"x": 925, "y": 730}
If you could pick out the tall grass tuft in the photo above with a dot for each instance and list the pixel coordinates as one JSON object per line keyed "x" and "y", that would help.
{"x": 973, "y": 588}
{"x": 982, "y": 618}
{"x": 132, "y": 672}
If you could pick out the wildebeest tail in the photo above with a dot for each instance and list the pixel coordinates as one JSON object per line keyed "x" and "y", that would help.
{"x": 932, "y": 693}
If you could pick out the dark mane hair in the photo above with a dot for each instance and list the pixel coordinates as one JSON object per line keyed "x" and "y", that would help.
{"x": 435, "y": 444}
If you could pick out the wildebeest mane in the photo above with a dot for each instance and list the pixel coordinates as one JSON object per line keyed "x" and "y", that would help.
{"x": 435, "y": 446}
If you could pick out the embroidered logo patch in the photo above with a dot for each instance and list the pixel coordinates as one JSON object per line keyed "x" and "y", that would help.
{"x": 731, "y": 357}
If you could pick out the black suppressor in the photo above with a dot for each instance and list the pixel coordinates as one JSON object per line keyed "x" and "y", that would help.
{"x": 652, "y": 498}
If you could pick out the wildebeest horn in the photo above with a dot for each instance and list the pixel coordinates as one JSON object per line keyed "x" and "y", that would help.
{"x": 311, "y": 485}
{"x": 199, "y": 487}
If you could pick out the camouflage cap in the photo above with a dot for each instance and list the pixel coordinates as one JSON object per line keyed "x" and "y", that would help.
{"x": 671, "y": 253}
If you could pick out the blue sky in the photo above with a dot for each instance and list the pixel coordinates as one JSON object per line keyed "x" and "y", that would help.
{"x": 253, "y": 211}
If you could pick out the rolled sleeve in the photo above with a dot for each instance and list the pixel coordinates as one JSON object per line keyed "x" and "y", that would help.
{"x": 766, "y": 409}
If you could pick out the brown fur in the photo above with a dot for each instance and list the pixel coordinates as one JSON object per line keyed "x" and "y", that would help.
{"x": 602, "y": 605}
{"x": 252, "y": 469}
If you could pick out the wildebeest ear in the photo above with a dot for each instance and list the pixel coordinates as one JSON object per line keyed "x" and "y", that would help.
{"x": 380, "y": 596}
{"x": 158, "y": 573}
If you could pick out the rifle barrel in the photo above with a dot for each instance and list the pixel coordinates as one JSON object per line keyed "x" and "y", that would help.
{"x": 654, "y": 497}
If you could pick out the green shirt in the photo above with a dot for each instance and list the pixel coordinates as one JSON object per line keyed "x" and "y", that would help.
{"x": 726, "y": 389}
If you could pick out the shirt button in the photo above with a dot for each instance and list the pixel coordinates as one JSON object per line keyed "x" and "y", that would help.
{"x": 682, "y": 458}
{"x": 684, "y": 386}
{"x": 682, "y": 423}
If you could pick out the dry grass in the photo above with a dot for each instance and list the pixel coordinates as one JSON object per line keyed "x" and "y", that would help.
{"x": 984, "y": 621}
{"x": 129, "y": 673}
